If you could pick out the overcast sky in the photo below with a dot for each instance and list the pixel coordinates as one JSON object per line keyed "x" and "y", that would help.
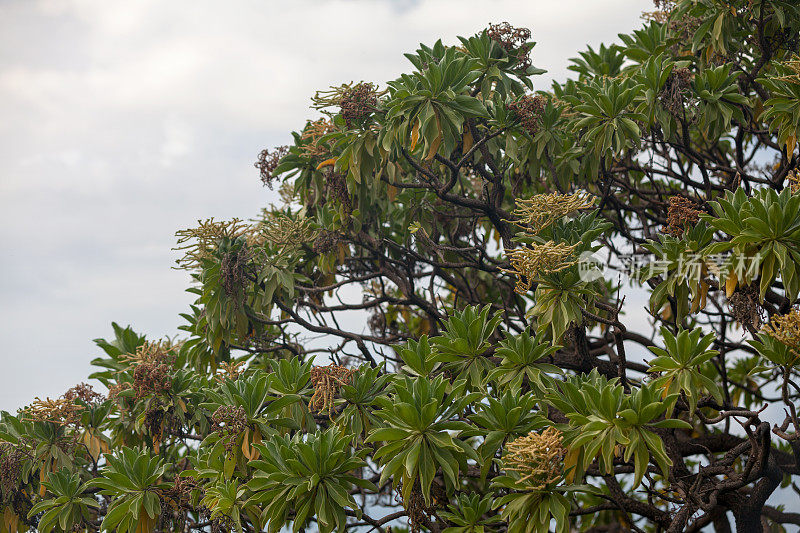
{"x": 123, "y": 121}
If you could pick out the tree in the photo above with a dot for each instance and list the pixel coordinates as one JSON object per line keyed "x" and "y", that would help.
{"x": 418, "y": 333}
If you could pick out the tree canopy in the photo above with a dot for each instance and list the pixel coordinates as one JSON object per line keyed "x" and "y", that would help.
{"x": 429, "y": 329}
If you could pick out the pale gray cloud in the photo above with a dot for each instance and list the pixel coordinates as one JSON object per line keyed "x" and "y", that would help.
{"x": 124, "y": 121}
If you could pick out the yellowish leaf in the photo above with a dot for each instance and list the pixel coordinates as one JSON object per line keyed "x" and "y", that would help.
{"x": 327, "y": 163}
{"x": 730, "y": 284}
{"x": 414, "y": 135}
{"x": 256, "y": 440}
{"x": 434, "y": 147}
{"x": 570, "y": 462}
{"x": 43, "y": 477}
{"x": 791, "y": 142}
{"x": 467, "y": 139}
{"x": 246, "y": 444}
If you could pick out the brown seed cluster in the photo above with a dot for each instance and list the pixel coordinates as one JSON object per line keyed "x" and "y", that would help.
{"x": 336, "y": 190}
{"x": 514, "y": 41}
{"x": 745, "y": 307}
{"x": 229, "y": 421}
{"x": 326, "y": 381}
{"x": 234, "y": 270}
{"x": 177, "y": 496}
{"x": 541, "y": 210}
{"x": 176, "y": 503}
{"x": 313, "y": 145}
{"x": 326, "y": 241}
{"x": 416, "y": 509}
{"x": 675, "y": 89}
{"x": 85, "y": 393}
{"x": 537, "y": 457}
{"x": 268, "y": 161}
{"x": 681, "y": 214}
{"x": 786, "y": 329}
{"x": 529, "y": 263}
{"x": 11, "y": 457}
{"x": 528, "y": 111}
{"x": 59, "y": 411}
{"x": 357, "y": 103}
{"x": 154, "y": 422}
{"x": 152, "y": 369}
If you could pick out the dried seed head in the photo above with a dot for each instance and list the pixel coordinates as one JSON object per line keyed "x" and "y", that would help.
{"x": 744, "y": 306}
{"x": 326, "y": 381}
{"x": 529, "y": 263}
{"x": 336, "y": 190}
{"x": 357, "y": 103}
{"x": 11, "y": 457}
{"x": 537, "y": 457}
{"x": 233, "y": 270}
{"x": 178, "y": 495}
{"x": 154, "y": 422}
{"x": 229, "y": 421}
{"x": 152, "y": 366}
{"x": 675, "y": 90}
{"x": 528, "y": 111}
{"x": 514, "y": 41}
{"x": 268, "y": 161}
{"x": 326, "y": 241}
{"x": 416, "y": 509}
{"x": 85, "y": 393}
{"x": 681, "y": 214}
{"x": 541, "y": 210}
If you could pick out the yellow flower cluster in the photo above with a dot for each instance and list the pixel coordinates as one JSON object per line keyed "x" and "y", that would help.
{"x": 278, "y": 229}
{"x": 326, "y": 381}
{"x": 794, "y": 181}
{"x": 537, "y": 457}
{"x": 785, "y": 328}
{"x": 528, "y": 263}
{"x": 794, "y": 66}
{"x": 60, "y": 411}
{"x": 150, "y": 352}
{"x": 282, "y": 230}
{"x": 200, "y": 242}
{"x": 541, "y": 210}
